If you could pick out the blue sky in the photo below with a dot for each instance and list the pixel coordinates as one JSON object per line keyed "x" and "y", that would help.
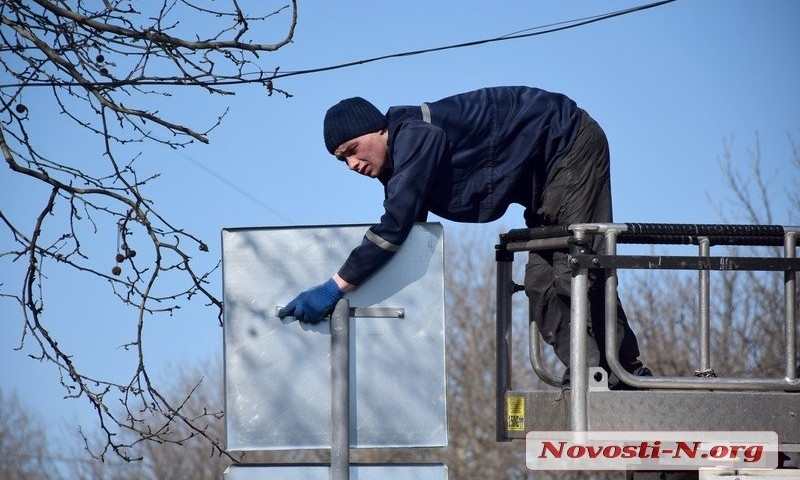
{"x": 669, "y": 85}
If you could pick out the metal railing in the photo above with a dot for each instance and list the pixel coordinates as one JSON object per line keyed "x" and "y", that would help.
{"x": 577, "y": 237}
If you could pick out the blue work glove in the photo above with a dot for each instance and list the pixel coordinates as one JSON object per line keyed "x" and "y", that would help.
{"x": 314, "y": 303}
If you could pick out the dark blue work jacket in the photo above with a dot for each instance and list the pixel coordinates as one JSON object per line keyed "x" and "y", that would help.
{"x": 465, "y": 158}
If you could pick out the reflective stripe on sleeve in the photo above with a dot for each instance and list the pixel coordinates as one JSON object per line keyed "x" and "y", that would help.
{"x": 426, "y": 113}
{"x": 381, "y": 243}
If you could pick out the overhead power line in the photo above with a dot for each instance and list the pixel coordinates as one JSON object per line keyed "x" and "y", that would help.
{"x": 529, "y": 32}
{"x": 262, "y": 79}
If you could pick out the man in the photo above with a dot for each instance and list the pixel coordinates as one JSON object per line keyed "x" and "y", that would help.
{"x": 466, "y": 158}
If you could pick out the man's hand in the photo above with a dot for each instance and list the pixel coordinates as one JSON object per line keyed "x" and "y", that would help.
{"x": 314, "y": 303}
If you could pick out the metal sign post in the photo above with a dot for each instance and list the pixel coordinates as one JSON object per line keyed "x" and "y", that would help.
{"x": 340, "y": 391}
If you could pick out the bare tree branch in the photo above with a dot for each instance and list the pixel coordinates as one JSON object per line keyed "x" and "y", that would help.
{"x": 110, "y": 68}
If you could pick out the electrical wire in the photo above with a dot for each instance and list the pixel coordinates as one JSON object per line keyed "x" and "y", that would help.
{"x": 551, "y": 28}
{"x": 260, "y": 78}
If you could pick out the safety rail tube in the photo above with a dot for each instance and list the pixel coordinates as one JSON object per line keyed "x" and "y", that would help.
{"x": 505, "y": 290}
{"x": 790, "y": 301}
{"x": 704, "y": 286}
{"x": 535, "y": 355}
{"x": 543, "y": 238}
{"x": 791, "y": 382}
{"x": 579, "y": 370}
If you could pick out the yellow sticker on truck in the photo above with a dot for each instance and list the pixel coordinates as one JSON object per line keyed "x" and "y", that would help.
{"x": 515, "y": 413}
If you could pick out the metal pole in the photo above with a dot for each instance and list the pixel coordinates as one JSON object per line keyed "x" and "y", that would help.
{"x": 340, "y": 391}
{"x": 790, "y": 299}
{"x": 503, "y": 338}
{"x": 579, "y": 314}
{"x": 705, "y": 312}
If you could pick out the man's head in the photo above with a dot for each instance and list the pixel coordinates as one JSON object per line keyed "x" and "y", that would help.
{"x": 351, "y": 118}
{"x": 355, "y": 132}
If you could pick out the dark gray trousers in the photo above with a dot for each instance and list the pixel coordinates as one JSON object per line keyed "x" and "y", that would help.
{"x": 577, "y": 191}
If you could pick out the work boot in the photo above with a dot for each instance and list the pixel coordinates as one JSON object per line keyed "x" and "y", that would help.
{"x": 636, "y": 369}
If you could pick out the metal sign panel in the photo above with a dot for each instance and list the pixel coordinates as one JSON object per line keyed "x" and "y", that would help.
{"x": 316, "y": 472}
{"x": 277, "y": 373}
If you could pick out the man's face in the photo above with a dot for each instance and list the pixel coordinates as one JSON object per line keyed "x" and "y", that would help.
{"x": 366, "y": 154}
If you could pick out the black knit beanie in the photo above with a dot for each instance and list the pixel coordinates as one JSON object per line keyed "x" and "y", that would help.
{"x": 349, "y": 119}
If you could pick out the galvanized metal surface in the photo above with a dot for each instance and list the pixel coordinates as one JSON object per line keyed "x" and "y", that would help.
{"x": 745, "y": 474}
{"x": 579, "y": 323}
{"x": 317, "y": 472}
{"x": 790, "y": 308}
{"x": 340, "y": 391}
{"x": 277, "y": 373}
{"x": 682, "y": 410}
{"x": 666, "y": 410}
